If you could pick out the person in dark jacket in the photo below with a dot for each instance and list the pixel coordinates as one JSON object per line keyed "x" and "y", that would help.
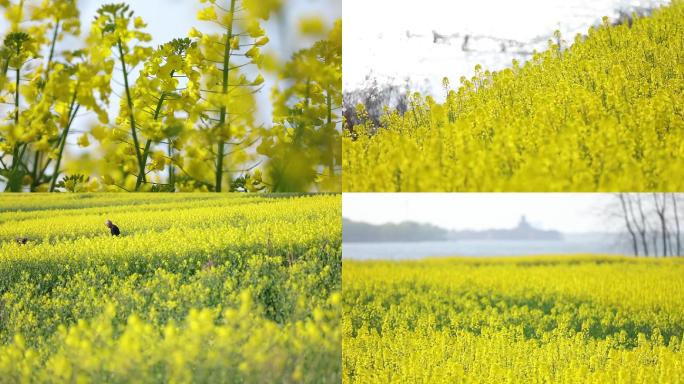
{"x": 113, "y": 228}
{"x": 21, "y": 240}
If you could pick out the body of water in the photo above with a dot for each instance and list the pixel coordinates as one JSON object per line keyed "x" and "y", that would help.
{"x": 480, "y": 248}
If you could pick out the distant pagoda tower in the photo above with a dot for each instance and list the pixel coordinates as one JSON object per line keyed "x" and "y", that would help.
{"x": 523, "y": 224}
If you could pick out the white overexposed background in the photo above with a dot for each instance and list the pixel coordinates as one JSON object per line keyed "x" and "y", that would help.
{"x": 566, "y": 212}
{"x": 377, "y": 43}
{"x": 589, "y": 223}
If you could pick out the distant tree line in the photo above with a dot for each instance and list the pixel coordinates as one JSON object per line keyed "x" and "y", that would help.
{"x": 372, "y": 101}
{"x": 653, "y": 222}
{"x": 353, "y": 231}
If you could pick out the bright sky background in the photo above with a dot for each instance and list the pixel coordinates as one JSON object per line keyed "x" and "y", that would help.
{"x": 168, "y": 19}
{"x": 566, "y": 212}
{"x": 375, "y": 31}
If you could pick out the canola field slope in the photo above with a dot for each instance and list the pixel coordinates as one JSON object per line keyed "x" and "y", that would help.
{"x": 553, "y": 319}
{"x": 198, "y": 288}
{"x": 605, "y": 114}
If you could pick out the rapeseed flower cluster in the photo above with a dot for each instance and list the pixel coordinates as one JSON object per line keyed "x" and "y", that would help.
{"x": 603, "y": 115}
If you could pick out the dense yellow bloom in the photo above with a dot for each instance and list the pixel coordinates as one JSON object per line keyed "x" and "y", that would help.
{"x": 547, "y": 319}
{"x": 603, "y": 115}
{"x": 39, "y": 93}
{"x": 304, "y": 144}
{"x": 198, "y": 288}
{"x": 192, "y": 98}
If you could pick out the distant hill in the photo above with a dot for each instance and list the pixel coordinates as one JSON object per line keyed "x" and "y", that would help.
{"x": 353, "y": 231}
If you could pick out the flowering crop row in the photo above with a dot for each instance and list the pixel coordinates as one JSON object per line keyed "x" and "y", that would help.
{"x": 197, "y": 288}
{"x": 574, "y": 319}
{"x": 606, "y": 114}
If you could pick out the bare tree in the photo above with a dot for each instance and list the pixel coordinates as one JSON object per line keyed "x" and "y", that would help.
{"x": 676, "y": 217}
{"x": 654, "y": 238}
{"x": 628, "y": 224}
{"x": 642, "y": 225}
{"x": 378, "y": 100}
{"x": 652, "y": 222}
{"x": 660, "y": 210}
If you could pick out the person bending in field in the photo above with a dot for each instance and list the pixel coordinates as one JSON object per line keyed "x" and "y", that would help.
{"x": 21, "y": 240}
{"x": 113, "y": 228}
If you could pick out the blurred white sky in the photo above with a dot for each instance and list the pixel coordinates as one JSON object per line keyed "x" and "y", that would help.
{"x": 168, "y": 19}
{"x": 566, "y": 212}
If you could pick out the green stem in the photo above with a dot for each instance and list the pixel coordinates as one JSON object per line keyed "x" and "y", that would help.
{"x": 5, "y": 67}
{"x": 329, "y": 103}
{"x": 129, "y": 100}
{"x": 62, "y": 142}
{"x": 222, "y": 116}
{"x": 17, "y": 155}
{"x": 16, "y": 96}
{"x": 37, "y": 158}
{"x": 34, "y": 172}
{"x": 141, "y": 175}
{"x": 52, "y": 47}
{"x": 20, "y": 156}
{"x": 301, "y": 124}
{"x": 330, "y": 128}
{"x": 219, "y": 164}
{"x": 41, "y": 174}
{"x": 146, "y": 152}
{"x": 172, "y": 173}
